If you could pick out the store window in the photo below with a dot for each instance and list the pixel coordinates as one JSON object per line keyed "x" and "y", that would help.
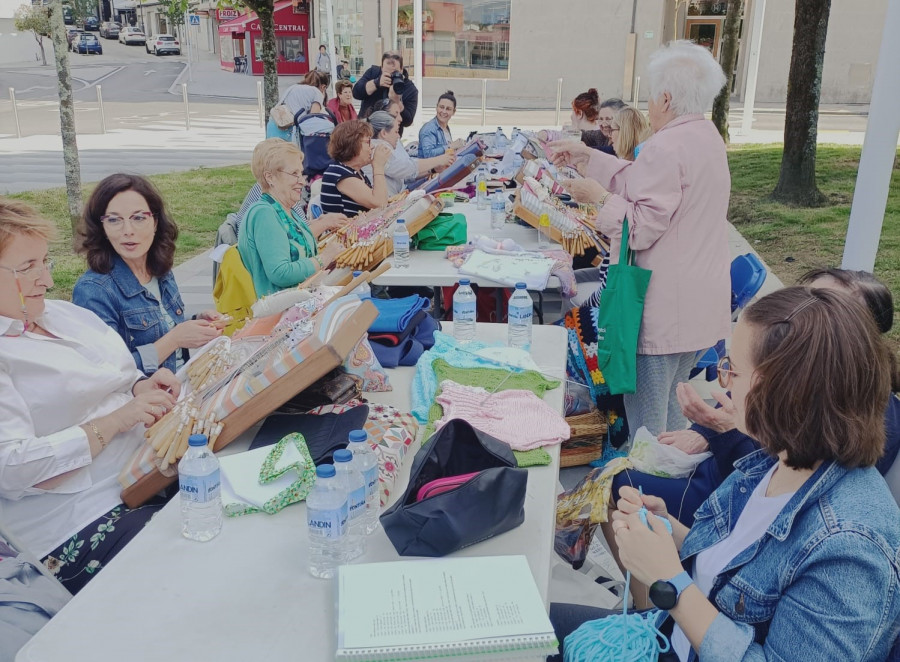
{"x": 459, "y": 39}
{"x": 287, "y": 49}
{"x": 348, "y": 32}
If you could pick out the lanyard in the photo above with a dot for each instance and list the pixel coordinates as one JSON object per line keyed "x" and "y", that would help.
{"x": 293, "y": 231}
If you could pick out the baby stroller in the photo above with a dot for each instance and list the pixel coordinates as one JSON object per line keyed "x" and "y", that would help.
{"x": 313, "y": 133}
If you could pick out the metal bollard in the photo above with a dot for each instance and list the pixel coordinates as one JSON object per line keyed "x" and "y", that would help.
{"x": 260, "y": 105}
{"x": 558, "y": 99}
{"x": 637, "y": 91}
{"x": 187, "y": 107}
{"x": 483, "y": 101}
{"x": 102, "y": 114}
{"x": 12, "y": 98}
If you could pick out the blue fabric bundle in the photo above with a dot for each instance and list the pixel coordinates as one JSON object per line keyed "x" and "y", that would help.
{"x": 394, "y": 315}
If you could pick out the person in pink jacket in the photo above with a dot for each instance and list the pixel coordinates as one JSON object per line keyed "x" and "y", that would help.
{"x": 341, "y": 106}
{"x": 675, "y": 197}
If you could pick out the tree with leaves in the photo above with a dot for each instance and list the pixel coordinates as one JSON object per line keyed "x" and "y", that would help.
{"x": 36, "y": 20}
{"x": 175, "y": 11}
{"x": 797, "y": 179}
{"x": 81, "y": 9}
{"x": 72, "y": 168}
{"x": 730, "y": 40}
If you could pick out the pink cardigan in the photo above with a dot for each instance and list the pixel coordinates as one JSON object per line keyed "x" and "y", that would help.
{"x": 333, "y": 104}
{"x": 675, "y": 196}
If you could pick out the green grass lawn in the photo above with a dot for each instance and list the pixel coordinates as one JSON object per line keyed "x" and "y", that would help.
{"x": 790, "y": 240}
{"x": 794, "y": 240}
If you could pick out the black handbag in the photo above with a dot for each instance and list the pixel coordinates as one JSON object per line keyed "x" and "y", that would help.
{"x": 490, "y": 503}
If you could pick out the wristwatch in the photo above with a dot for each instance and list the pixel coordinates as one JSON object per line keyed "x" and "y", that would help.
{"x": 664, "y": 594}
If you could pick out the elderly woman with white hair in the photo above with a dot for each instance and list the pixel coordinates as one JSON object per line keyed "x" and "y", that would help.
{"x": 400, "y": 166}
{"x": 675, "y": 197}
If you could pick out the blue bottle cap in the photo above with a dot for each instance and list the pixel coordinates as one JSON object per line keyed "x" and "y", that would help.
{"x": 325, "y": 471}
{"x": 197, "y": 440}
{"x": 357, "y": 273}
{"x": 357, "y": 436}
{"x": 464, "y": 281}
{"x": 343, "y": 455}
{"x": 521, "y": 286}
{"x": 400, "y": 220}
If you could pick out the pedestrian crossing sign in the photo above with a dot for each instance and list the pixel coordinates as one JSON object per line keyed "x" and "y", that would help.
{"x": 195, "y": 19}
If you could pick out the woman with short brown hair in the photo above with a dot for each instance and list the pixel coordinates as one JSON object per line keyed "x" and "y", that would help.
{"x": 345, "y": 188}
{"x": 797, "y": 549}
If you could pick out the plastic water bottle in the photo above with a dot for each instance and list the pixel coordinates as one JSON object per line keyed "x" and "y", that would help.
{"x": 352, "y": 482}
{"x": 363, "y": 290}
{"x": 498, "y": 211}
{"x": 326, "y": 517}
{"x": 481, "y": 196}
{"x": 518, "y": 318}
{"x": 544, "y": 231}
{"x": 366, "y": 463}
{"x": 199, "y": 482}
{"x": 464, "y": 312}
{"x": 500, "y": 142}
{"x": 401, "y": 245}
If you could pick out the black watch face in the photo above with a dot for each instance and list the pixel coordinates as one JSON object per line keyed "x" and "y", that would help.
{"x": 663, "y": 594}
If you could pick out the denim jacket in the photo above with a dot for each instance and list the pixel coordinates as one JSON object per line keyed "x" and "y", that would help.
{"x": 432, "y": 140}
{"x": 125, "y": 305}
{"x": 822, "y": 582}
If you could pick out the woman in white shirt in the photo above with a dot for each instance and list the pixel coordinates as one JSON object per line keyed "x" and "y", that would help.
{"x": 400, "y": 166}
{"x": 72, "y": 403}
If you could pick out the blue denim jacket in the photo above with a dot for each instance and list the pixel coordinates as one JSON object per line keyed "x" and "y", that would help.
{"x": 432, "y": 141}
{"x": 122, "y": 302}
{"x": 822, "y": 582}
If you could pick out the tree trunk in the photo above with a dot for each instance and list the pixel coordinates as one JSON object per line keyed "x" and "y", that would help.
{"x": 40, "y": 41}
{"x": 66, "y": 115}
{"x": 266, "y": 16}
{"x": 797, "y": 180}
{"x": 731, "y": 39}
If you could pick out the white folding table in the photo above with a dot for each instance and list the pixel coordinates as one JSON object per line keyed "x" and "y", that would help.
{"x": 247, "y": 596}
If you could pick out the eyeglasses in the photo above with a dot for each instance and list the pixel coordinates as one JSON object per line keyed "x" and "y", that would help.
{"x": 299, "y": 176}
{"x": 725, "y": 372}
{"x": 116, "y": 222}
{"x": 33, "y": 272}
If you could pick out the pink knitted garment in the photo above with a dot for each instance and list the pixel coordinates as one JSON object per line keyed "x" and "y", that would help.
{"x": 518, "y": 418}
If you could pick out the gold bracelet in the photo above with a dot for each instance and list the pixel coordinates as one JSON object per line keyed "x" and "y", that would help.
{"x": 603, "y": 200}
{"x": 375, "y": 174}
{"x": 97, "y": 434}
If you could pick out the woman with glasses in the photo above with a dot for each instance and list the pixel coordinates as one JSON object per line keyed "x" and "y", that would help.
{"x": 278, "y": 245}
{"x": 797, "y": 549}
{"x": 714, "y": 429}
{"x": 345, "y": 188}
{"x": 129, "y": 241}
{"x": 73, "y": 408}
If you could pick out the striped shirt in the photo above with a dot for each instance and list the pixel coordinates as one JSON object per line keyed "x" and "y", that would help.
{"x": 333, "y": 201}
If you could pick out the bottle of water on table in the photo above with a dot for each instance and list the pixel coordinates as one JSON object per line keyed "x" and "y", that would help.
{"x": 401, "y": 245}
{"x": 464, "y": 311}
{"x": 500, "y": 142}
{"x": 199, "y": 484}
{"x": 498, "y": 211}
{"x": 518, "y": 318}
{"x": 481, "y": 195}
{"x": 326, "y": 517}
{"x": 544, "y": 231}
{"x": 366, "y": 463}
{"x": 352, "y": 481}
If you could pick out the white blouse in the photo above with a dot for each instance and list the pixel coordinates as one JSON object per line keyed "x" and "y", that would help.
{"x": 48, "y": 388}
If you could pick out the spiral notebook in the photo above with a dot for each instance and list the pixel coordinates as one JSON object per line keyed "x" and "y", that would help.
{"x": 482, "y": 608}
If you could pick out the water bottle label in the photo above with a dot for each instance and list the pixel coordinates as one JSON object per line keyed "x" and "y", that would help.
{"x": 357, "y": 500}
{"x": 401, "y": 242}
{"x": 328, "y": 523}
{"x": 200, "y": 489}
{"x": 464, "y": 311}
{"x": 370, "y": 476}
{"x": 520, "y": 313}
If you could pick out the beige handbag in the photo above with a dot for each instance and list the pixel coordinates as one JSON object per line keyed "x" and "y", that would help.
{"x": 282, "y": 116}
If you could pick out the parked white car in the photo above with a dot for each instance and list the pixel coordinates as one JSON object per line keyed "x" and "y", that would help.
{"x": 131, "y": 36}
{"x": 162, "y": 43}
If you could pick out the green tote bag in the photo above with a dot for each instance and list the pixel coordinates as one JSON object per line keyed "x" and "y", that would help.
{"x": 619, "y": 320}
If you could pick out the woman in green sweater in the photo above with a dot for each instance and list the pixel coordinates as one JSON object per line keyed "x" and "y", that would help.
{"x": 278, "y": 245}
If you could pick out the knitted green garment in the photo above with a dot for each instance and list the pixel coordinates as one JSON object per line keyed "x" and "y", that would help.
{"x": 536, "y": 457}
{"x": 490, "y": 379}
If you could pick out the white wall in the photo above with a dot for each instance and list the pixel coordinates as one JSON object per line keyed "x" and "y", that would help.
{"x": 8, "y": 7}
